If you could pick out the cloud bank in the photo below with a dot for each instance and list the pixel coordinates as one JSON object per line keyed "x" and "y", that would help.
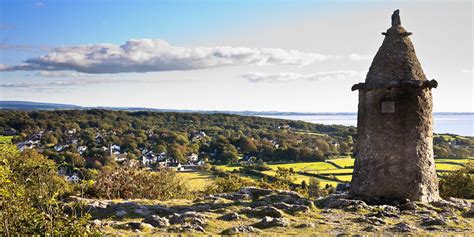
{"x": 147, "y": 55}
{"x": 290, "y": 76}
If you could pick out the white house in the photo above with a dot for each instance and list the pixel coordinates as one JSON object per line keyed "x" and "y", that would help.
{"x": 193, "y": 157}
{"x": 73, "y": 178}
{"x": 81, "y": 149}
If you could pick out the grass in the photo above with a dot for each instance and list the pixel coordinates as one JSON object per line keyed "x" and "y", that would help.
{"x": 450, "y": 167}
{"x": 300, "y": 178}
{"x": 197, "y": 180}
{"x": 333, "y": 171}
{"x": 6, "y": 139}
{"x": 344, "y": 162}
{"x": 454, "y": 160}
{"x": 304, "y": 166}
{"x": 228, "y": 168}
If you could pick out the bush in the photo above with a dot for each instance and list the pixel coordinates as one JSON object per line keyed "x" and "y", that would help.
{"x": 30, "y": 189}
{"x": 459, "y": 184}
{"x": 230, "y": 183}
{"x": 132, "y": 182}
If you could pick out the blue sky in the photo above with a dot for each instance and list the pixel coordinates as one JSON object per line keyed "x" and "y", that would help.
{"x": 271, "y": 55}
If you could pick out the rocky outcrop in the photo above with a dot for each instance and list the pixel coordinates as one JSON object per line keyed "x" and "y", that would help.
{"x": 157, "y": 221}
{"x": 241, "y": 230}
{"x": 270, "y": 222}
{"x": 262, "y": 212}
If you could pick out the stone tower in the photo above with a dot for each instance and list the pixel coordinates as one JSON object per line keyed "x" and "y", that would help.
{"x": 394, "y": 151}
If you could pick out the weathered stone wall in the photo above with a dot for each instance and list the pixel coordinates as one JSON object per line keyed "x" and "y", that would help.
{"x": 395, "y": 150}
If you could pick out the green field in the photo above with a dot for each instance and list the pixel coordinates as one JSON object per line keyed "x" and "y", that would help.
{"x": 197, "y": 180}
{"x": 6, "y": 139}
{"x": 304, "y": 166}
{"x": 449, "y": 167}
{"x": 344, "y": 162}
{"x": 300, "y": 178}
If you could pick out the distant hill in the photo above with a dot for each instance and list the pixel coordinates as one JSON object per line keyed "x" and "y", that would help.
{"x": 28, "y": 105}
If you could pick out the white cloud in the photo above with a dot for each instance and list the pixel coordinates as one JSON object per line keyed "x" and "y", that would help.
{"x": 358, "y": 57}
{"x": 58, "y": 74}
{"x": 290, "y": 76}
{"x": 147, "y": 55}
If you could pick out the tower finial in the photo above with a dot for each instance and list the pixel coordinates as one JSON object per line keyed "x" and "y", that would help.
{"x": 396, "y": 18}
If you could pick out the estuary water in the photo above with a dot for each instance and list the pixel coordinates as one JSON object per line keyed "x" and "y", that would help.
{"x": 455, "y": 123}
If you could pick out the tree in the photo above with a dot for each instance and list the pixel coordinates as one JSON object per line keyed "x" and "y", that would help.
{"x": 247, "y": 145}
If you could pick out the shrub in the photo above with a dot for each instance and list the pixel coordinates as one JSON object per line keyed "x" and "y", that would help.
{"x": 458, "y": 184}
{"x": 230, "y": 183}
{"x": 132, "y": 182}
{"x": 30, "y": 189}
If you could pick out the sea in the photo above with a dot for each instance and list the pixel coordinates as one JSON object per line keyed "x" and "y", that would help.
{"x": 453, "y": 123}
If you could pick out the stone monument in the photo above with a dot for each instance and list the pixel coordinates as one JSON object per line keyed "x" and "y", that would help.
{"x": 394, "y": 150}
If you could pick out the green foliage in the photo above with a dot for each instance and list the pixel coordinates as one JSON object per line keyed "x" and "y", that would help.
{"x": 459, "y": 184}
{"x": 132, "y": 182}
{"x": 29, "y": 197}
{"x": 229, "y": 183}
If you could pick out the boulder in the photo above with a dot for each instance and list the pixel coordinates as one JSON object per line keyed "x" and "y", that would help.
{"x": 190, "y": 217}
{"x": 139, "y": 226}
{"x": 255, "y": 192}
{"x": 451, "y": 202}
{"x": 408, "y": 206}
{"x": 305, "y": 225}
{"x": 269, "y": 222}
{"x": 187, "y": 228}
{"x": 372, "y": 220}
{"x": 341, "y": 201}
{"x": 157, "y": 221}
{"x": 291, "y": 208}
{"x": 263, "y": 211}
{"x": 241, "y": 229}
{"x": 433, "y": 221}
{"x": 286, "y": 197}
{"x": 403, "y": 227}
{"x": 161, "y": 210}
{"x": 229, "y": 217}
{"x": 121, "y": 213}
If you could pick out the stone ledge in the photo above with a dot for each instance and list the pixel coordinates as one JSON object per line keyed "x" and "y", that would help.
{"x": 390, "y": 84}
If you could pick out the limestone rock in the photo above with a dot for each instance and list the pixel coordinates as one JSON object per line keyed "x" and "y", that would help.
{"x": 263, "y": 211}
{"x": 157, "y": 221}
{"x": 230, "y": 217}
{"x": 255, "y": 192}
{"x": 240, "y": 230}
{"x": 291, "y": 208}
{"x": 270, "y": 222}
{"x": 403, "y": 227}
{"x": 192, "y": 218}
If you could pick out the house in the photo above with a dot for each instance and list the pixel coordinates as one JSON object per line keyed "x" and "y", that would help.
{"x": 99, "y": 139}
{"x": 196, "y": 136}
{"x": 81, "y": 149}
{"x": 248, "y": 160}
{"x": 59, "y": 148}
{"x": 187, "y": 168}
{"x": 119, "y": 157}
{"x": 73, "y": 178}
{"x": 115, "y": 148}
{"x": 193, "y": 157}
{"x": 149, "y": 159}
{"x": 10, "y": 132}
{"x": 71, "y": 131}
{"x": 27, "y": 145}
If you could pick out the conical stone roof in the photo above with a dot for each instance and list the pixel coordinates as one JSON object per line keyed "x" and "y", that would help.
{"x": 396, "y": 59}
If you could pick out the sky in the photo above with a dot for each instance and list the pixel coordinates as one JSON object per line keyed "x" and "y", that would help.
{"x": 256, "y": 55}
